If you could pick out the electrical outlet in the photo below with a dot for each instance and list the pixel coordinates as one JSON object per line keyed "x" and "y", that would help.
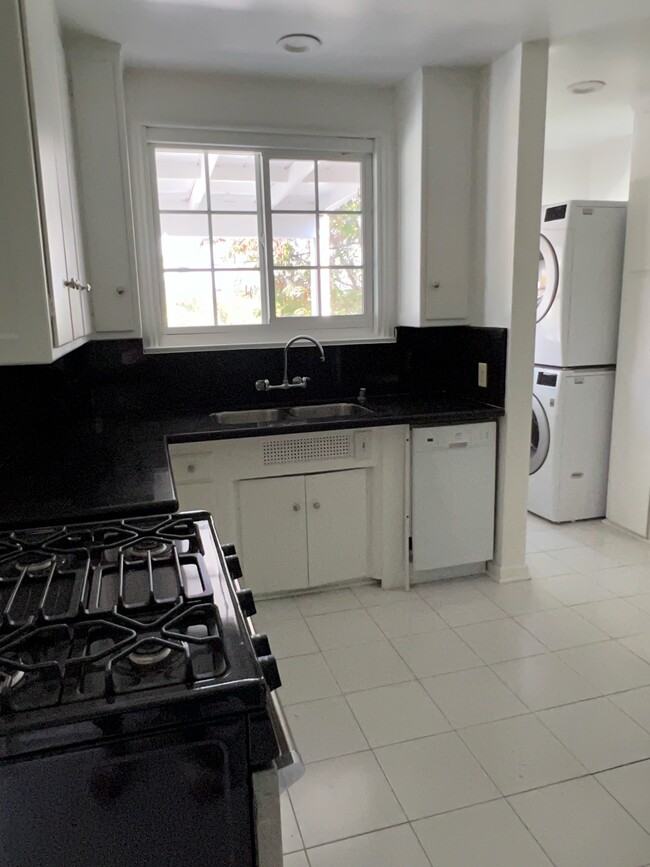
{"x": 482, "y": 374}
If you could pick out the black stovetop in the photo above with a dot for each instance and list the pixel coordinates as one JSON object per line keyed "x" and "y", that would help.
{"x": 103, "y": 619}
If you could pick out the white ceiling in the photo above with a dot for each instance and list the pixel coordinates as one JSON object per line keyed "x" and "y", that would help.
{"x": 371, "y": 40}
{"x": 618, "y": 55}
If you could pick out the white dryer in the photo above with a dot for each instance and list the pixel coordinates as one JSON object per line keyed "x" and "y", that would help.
{"x": 579, "y": 283}
{"x": 569, "y": 443}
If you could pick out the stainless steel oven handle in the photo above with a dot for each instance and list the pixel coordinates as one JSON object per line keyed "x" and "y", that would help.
{"x": 289, "y": 763}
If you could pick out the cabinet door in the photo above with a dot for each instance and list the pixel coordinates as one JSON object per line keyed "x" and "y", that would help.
{"x": 47, "y": 121}
{"x": 337, "y": 526}
{"x": 447, "y": 192}
{"x": 52, "y": 132}
{"x": 273, "y": 533}
{"x": 70, "y": 209}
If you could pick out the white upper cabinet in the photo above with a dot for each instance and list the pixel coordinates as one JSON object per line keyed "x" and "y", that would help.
{"x": 100, "y": 125}
{"x": 436, "y": 133}
{"x": 44, "y": 304}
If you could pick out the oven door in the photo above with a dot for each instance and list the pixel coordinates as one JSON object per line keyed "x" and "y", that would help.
{"x": 182, "y": 797}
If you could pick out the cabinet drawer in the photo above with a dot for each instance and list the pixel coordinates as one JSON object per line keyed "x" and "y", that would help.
{"x": 192, "y": 468}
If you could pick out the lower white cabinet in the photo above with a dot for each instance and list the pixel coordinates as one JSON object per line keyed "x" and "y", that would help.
{"x": 300, "y": 531}
{"x": 304, "y": 509}
{"x": 273, "y": 522}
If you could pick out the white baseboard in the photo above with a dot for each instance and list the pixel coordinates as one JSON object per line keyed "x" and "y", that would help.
{"x": 507, "y": 574}
{"x": 424, "y": 575}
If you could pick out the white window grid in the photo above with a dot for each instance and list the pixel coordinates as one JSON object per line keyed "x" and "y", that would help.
{"x": 360, "y": 150}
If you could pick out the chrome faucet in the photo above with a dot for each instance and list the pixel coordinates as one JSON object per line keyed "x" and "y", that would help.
{"x": 297, "y": 381}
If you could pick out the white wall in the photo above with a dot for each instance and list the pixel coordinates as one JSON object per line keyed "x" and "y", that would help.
{"x": 162, "y": 97}
{"x": 629, "y": 469}
{"x": 511, "y": 139}
{"x": 600, "y": 172}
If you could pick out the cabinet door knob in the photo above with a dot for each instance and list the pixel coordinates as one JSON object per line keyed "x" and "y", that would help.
{"x": 435, "y": 284}
{"x": 317, "y": 505}
{"x": 191, "y": 468}
{"x": 296, "y": 507}
{"x": 73, "y": 283}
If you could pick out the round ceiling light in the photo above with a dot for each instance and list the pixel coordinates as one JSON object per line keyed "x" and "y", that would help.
{"x": 589, "y": 86}
{"x": 299, "y": 43}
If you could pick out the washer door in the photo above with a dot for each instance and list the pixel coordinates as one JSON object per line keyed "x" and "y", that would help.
{"x": 547, "y": 277}
{"x": 540, "y": 437}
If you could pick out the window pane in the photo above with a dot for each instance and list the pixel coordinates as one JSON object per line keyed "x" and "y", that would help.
{"x": 184, "y": 240}
{"x": 233, "y": 184}
{"x": 293, "y": 185}
{"x": 181, "y": 180}
{"x": 340, "y": 239}
{"x": 239, "y": 297}
{"x": 296, "y": 292}
{"x": 235, "y": 242}
{"x": 294, "y": 240}
{"x": 188, "y": 299}
{"x": 342, "y": 291}
{"x": 339, "y": 185}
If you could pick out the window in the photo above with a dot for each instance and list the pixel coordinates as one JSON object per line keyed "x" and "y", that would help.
{"x": 257, "y": 241}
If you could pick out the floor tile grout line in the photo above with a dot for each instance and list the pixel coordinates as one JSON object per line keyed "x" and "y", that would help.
{"x": 295, "y": 820}
{"x": 587, "y": 772}
{"x": 618, "y": 767}
{"x": 598, "y": 698}
{"x": 366, "y": 834}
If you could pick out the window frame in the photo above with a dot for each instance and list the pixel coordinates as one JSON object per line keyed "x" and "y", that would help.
{"x": 270, "y": 146}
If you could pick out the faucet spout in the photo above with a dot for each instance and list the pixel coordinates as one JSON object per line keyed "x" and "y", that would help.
{"x": 298, "y": 381}
{"x": 288, "y": 346}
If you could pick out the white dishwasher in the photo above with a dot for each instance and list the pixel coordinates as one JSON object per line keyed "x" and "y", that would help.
{"x": 453, "y": 490}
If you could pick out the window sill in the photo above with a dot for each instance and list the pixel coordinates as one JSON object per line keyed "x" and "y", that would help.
{"x": 171, "y": 343}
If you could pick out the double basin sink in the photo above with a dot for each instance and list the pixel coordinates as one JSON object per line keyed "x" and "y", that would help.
{"x": 323, "y": 411}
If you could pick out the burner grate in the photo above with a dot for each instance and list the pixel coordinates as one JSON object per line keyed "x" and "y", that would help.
{"x": 95, "y": 612}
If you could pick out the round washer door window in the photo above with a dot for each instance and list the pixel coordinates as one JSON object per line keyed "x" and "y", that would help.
{"x": 547, "y": 277}
{"x": 540, "y": 437}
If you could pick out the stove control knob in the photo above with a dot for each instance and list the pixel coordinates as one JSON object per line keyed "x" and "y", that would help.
{"x": 234, "y": 567}
{"x": 246, "y": 602}
{"x": 261, "y": 645}
{"x": 270, "y": 671}
{"x": 228, "y": 550}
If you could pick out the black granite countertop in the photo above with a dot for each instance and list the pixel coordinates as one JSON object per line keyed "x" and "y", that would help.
{"x": 94, "y": 468}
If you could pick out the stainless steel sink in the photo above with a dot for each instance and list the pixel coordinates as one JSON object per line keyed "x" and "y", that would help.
{"x": 329, "y": 410}
{"x": 249, "y": 416}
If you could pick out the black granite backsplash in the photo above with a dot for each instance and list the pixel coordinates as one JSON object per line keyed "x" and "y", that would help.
{"x": 115, "y": 377}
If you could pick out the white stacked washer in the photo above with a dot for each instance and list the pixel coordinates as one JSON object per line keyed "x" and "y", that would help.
{"x": 578, "y": 306}
{"x": 570, "y": 438}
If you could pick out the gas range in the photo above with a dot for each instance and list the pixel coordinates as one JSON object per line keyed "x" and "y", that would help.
{"x": 131, "y": 681}
{"x": 98, "y": 619}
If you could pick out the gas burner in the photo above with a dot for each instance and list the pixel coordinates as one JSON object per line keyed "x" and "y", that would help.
{"x": 140, "y": 549}
{"x": 149, "y": 653}
{"x": 33, "y": 561}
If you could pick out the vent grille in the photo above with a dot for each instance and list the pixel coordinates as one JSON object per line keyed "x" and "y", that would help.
{"x": 304, "y": 449}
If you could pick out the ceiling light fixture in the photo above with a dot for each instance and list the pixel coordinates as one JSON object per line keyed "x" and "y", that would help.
{"x": 589, "y": 86}
{"x": 299, "y": 43}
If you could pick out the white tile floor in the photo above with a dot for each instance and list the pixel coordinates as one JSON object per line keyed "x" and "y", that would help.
{"x": 471, "y": 724}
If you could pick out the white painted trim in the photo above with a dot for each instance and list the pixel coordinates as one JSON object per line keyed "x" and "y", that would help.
{"x": 424, "y": 576}
{"x": 378, "y": 327}
{"x": 266, "y": 342}
{"x": 507, "y": 574}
